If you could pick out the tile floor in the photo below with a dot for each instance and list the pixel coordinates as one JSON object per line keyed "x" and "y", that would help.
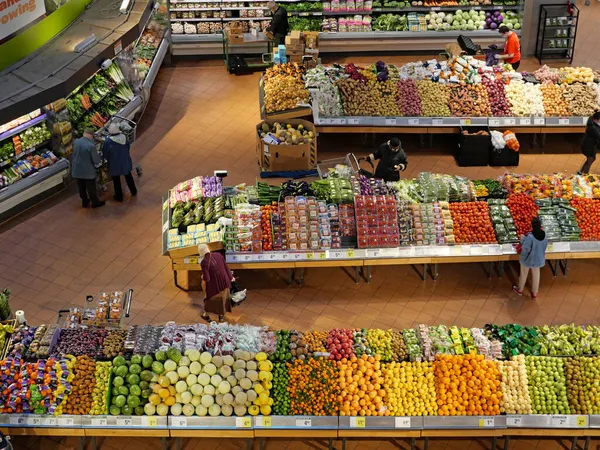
{"x": 200, "y": 119}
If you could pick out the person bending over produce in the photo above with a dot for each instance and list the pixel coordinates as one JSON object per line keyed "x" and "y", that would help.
{"x": 217, "y": 279}
{"x": 591, "y": 142}
{"x": 392, "y": 160}
{"x": 279, "y": 26}
{"x": 512, "y": 48}
{"x": 83, "y": 168}
{"x": 533, "y": 257}
{"x": 116, "y": 153}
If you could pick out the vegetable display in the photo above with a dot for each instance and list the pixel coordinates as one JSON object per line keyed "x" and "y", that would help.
{"x": 461, "y": 86}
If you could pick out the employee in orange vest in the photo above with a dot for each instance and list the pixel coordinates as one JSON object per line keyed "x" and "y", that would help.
{"x": 512, "y": 47}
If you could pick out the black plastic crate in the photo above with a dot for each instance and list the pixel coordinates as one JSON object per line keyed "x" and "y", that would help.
{"x": 504, "y": 157}
{"x": 468, "y": 46}
{"x": 473, "y": 150}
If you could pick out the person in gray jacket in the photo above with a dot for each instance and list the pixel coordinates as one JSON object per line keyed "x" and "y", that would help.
{"x": 83, "y": 168}
{"x": 533, "y": 257}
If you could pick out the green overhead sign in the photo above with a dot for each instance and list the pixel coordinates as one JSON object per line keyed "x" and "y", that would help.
{"x": 39, "y": 34}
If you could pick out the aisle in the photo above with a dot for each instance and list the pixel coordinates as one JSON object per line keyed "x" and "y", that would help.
{"x": 201, "y": 119}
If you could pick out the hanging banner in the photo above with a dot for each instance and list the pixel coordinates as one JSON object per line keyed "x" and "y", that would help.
{"x": 15, "y": 14}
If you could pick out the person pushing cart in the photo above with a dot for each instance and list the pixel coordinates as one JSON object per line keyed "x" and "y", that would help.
{"x": 392, "y": 160}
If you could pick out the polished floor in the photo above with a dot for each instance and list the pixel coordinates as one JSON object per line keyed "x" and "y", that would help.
{"x": 201, "y": 119}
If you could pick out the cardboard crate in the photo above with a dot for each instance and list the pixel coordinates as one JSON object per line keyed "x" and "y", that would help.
{"x": 311, "y": 39}
{"x": 295, "y": 59}
{"x": 275, "y": 158}
{"x": 235, "y": 35}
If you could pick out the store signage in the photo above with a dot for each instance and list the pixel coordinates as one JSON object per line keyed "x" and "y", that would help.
{"x": 15, "y": 14}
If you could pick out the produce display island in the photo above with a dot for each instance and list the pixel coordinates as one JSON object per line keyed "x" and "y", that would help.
{"x": 424, "y": 229}
{"x": 258, "y": 389}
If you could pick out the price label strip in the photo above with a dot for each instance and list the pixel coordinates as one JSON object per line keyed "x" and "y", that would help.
{"x": 124, "y": 421}
{"x": 179, "y": 421}
{"x": 303, "y": 422}
{"x": 487, "y": 422}
{"x": 263, "y": 421}
{"x": 243, "y": 422}
{"x": 358, "y": 422}
{"x": 514, "y": 421}
{"x": 99, "y": 422}
{"x": 402, "y": 422}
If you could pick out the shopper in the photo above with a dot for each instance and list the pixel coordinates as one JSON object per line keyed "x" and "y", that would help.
{"x": 116, "y": 153}
{"x": 591, "y": 142}
{"x": 392, "y": 160}
{"x": 533, "y": 257}
{"x": 218, "y": 279}
{"x": 512, "y": 47}
{"x": 279, "y": 26}
{"x": 84, "y": 162}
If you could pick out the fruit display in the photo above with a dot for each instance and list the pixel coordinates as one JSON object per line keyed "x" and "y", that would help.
{"x": 284, "y": 87}
{"x": 410, "y": 388}
{"x": 588, "y": 218}
{"x": 361, "y": 386}
{"x": 514, "y": 386}
{"x": 467, "y": 385}
{"x": 281, "y": 394}
{"x": 286, "y": 134}
{"x": 313, "y": 387}
{"x": 469, "y": 101}
{"x": 127, "y": 396}
{"x": 547, "y": 385}
{"x": 80, "y": 399}
{"x": 340, "y": 344}
{"x": 472, "y": 223}
{"x": 523, "y": 209}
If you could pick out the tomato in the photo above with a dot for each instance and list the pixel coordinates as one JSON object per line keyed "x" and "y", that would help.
{"x": 472, "y": 223}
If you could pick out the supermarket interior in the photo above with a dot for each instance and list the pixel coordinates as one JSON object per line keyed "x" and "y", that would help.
{"x": 379, "y": 309}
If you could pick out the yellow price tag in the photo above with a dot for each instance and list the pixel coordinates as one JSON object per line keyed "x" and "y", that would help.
{"x": 243, "y": 422}
{"x": 310, "y": 255}
{"x": 550, "y": 247}
{"x": 322, "y": 255}
{"x": 152, "y": 421}
{"x": 361, "y": 422}
{"x": 165, "y": 205}
{"x": 267, "y": 421}
{"x": 350, "y": 253}
{"x": 466, "y": 121}
{"x": 581, "y": 421}
{"x": 193, "y": 260}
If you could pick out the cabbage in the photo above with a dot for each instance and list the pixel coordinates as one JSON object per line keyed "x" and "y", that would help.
{"x": 517, "y": 26}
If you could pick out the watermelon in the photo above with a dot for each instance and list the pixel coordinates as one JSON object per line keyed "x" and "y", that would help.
{"x": 174, "y": 354}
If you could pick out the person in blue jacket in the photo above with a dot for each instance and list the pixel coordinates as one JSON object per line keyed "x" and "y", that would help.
{"x": 84, "y": 162}
{"x": 533, "y": 257}
{"x": 116, "y": 153}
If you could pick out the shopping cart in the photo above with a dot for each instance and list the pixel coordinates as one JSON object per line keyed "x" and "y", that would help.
{"x": 350, "y": 161}
{"x": 128, "y": 128}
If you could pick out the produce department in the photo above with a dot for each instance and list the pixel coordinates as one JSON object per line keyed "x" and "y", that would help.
{"x": 460, "y": 87}
{"x": 239, "y": 370}
{"x": 347, "y": 210}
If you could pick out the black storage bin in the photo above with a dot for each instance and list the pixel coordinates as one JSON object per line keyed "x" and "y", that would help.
{"x": 473, "y": 150}
{"x": 504, "y": 157}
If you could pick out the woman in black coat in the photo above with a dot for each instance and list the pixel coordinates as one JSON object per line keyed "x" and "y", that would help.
{"x": 591, "y": 141}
